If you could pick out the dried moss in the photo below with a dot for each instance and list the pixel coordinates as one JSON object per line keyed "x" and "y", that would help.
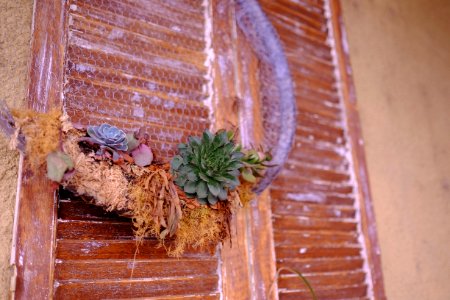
{"x": 155, "y": 204}
{"x": 104, "y": 182}
{"x": 246, "y": 194}
{"x": 199, "y": 228}
{"x": 42, "y": 132}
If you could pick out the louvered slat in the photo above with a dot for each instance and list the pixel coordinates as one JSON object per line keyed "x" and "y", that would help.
{"x": 315, "y": 216}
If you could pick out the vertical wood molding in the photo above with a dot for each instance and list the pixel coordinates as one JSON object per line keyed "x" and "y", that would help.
{"x": 248, "y": 263}
{"x": 235, "y": 283}
{"x": 46, "y": 69}
{"x": 357, "y": 148}
{"x": 260, "y": 239}
{"x": 37, "y": 203}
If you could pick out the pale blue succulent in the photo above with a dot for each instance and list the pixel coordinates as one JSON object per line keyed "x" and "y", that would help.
{"x": 109, "y": 136}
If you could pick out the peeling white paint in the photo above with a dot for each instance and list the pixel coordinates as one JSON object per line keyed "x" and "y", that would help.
{"x": 348, "y": 154}
{"x": 115, "y": 34}
{"x": 208, "y": 102}
{"x": 315, "y": 197}
{"x": 83, "y": 68}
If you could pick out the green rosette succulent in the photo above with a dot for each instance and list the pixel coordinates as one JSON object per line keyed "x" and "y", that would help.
{"x": 208, "y": 166}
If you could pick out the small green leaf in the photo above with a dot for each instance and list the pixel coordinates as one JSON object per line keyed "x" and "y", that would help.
{"x": 57, "y": 165}
{"x": 248, "y": 175}
{"x": 133, "y": 143}
{"x": 233, "y": 183}
{"x": 202, "y": 190}
{"x": 176, "y": 162}
{"x": 230, "y": 135}
{"x": 212, "y": 199}
{"x": 237, "y": 155}
{"x": 223, "y": 195}
{"x": 192, "y": 177}
{"x": 180, "y": 181}
{"x": 221, "y": 178}
{"x": 235, "y": 165}
{"x": 214, "y": 187}
{"x": 234, "y": 173}
{"x": 207, "y": 136}
{"x": 204, "y": 177}
{"x": 194, "y": 140}
{"x": 190, "y": 187}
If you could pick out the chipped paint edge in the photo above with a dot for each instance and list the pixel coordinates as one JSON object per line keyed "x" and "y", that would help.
{"x": 348, "y": 154}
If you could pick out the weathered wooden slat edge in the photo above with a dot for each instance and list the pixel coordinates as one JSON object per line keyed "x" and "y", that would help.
{"x": 357, "y": 148}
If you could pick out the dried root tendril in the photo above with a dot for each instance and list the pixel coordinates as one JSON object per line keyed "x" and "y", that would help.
{"x": 156, "y": 205}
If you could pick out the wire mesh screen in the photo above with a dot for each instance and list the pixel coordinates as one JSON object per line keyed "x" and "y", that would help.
{"x": 138, "y": 64}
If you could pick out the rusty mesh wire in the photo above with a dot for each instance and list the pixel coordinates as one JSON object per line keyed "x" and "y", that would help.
{"x": 142, "y": 64}
{"x": 278, "y": 101}
{"x": 138, "y": 64}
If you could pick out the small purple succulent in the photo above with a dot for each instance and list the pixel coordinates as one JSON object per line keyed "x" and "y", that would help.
{"x": 109, "y": 136}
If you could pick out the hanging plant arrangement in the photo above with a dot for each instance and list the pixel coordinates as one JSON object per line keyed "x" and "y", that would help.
{"x": 190, "y": 199}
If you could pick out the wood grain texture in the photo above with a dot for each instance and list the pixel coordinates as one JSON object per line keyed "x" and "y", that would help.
{"x": 248, "y": 263}
{"x": 235, "y": 270}
{"x": 256, "y": 219}
{"x": 34, "y": 255}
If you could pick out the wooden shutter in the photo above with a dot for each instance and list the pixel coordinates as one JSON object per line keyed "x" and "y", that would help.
{"x": 320, "y": 201}
{"x": 132, "y": 64}
{"x": 143, "y": 63}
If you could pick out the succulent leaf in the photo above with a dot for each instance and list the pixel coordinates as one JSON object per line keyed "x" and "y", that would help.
{"x": 190, "y": 187}
{"x": 142, "y": 155}
{"x": 132, "y": 142}
{"x": 248, "y": 175}
{"x": 207, "y": 167}
{"x": 58, "y": 163}
{"x": 108, "y": 135}
{"x": 254, "y": 164}
{"x": 202, "y": 190}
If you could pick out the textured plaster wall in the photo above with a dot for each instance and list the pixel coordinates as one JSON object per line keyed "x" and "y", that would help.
{"x": 15, "y": 28}
{"x": 400, "y": 54}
